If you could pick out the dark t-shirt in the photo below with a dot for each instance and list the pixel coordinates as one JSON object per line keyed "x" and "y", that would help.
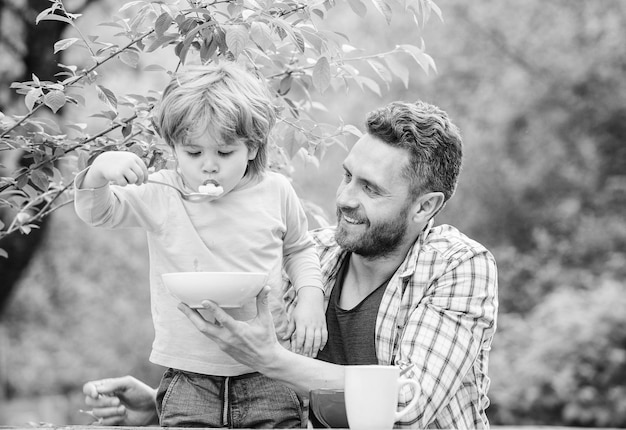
{"x": 351, "y": 331}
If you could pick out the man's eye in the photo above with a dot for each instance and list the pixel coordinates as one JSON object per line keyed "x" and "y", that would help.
{"x": 347, "y": 177}
{"x": 368, "y": 189}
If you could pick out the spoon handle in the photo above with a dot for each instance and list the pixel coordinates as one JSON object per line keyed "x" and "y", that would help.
{"x": 151, "y": 181}
{"x": 192, "y": 197}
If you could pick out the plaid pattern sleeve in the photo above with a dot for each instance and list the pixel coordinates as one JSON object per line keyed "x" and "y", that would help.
{"x": 440, "y": 315}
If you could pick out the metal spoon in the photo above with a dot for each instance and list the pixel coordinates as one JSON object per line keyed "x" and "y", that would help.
{"x": 192, "y": 197}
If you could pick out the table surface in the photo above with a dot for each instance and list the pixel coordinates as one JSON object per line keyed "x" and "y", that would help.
{"x": 90, "y": 427}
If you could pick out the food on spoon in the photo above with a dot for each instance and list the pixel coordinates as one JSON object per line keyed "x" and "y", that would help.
{"x": 211, "y": 188}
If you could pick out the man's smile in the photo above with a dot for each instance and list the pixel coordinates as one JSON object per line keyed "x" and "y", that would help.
{"x": 350, "y": 220}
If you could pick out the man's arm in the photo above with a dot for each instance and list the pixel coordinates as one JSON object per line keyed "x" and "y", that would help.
{"x": 445, "y": 336}
{"x": 254, "y": 344}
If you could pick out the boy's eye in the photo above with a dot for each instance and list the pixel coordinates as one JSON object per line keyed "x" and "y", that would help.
{"x": 193, "y": 154}
{"x": 225, "y": 153}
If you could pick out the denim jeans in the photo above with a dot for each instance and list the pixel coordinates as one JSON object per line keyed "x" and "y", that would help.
{"x": 186, "y": 399}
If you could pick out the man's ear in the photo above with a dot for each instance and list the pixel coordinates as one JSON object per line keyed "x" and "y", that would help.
{"x": 426, "y": 206}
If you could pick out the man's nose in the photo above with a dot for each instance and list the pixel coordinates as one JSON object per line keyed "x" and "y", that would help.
{"x": 346, "y": 196}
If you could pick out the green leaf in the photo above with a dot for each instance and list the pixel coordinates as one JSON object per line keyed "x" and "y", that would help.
{"x": 31, "y": 97}
{"x": 365, "y": 82}
{"x": 424, "y": 60}
{"x": 321, "y": 74}
{"x": 22, "y": 181}
{"x": 314, "y": 39}
{"x": 154, "y": 68}
{"x": 127, "y": 130}
{"x": 358, "y": 7}
{"x": 162, "y": 41}
{"x": 208, "y": 49}
{"x": 63, "y": 44}
{"x": 53, "y": 17}
{"x": 399, "y": 69}
{"x": 434, "y": 8}
{"x": 299, "y": 41}
{"x": 188, "y": 25}
{"x": 261, "y": 34}
{"x": 83, "y": 156}
{"x": 290, "y": 31}
{"x": 162, "y": 23}
{"x": 381, "y": 71}
{"x": 349, "y": 128}
{"x": 131, "y": 4}
{"x": 306, "y": 158}
{"x": 130, "y": 58}
{"x": 108, "y": 114}
{"x": 39, "y": 180}
{"x": 290, "y": 145}
{"x": 43, "y": 13}
{"x": 383, "y": 8}
{"x": 236, "y": 37}
{"x": 285, "y": 84}
{"x": 107, "y": 96}
{"x": 54, "y": 100}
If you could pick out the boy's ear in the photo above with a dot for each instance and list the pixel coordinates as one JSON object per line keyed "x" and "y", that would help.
{"x": 426, "y": 206}
{"x": 252, "y": 153}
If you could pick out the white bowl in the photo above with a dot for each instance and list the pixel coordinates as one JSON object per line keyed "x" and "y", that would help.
{"x": 227, "y": 289}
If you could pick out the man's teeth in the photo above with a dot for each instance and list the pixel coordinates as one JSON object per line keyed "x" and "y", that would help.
{"x": 351, "y": 220}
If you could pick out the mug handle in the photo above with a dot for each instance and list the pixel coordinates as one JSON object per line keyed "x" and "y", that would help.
{"x": 403, "y": 382}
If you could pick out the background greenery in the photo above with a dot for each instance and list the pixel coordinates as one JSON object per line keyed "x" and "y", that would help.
{"x": 537, "y": 88}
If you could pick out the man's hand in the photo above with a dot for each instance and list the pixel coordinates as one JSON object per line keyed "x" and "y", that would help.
{"x": 121, "y": 167}
{"x": 307, "y": 325}
{"x": 252, "y": 343}
{"x": 121, "y": 401}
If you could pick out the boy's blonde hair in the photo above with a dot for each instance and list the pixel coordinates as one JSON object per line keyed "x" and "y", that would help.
{"x": 221, "y": 98}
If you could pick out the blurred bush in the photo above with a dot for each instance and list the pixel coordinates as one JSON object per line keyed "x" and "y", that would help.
{"x": 564, "y": 363}
{"x": 82, "y": 311}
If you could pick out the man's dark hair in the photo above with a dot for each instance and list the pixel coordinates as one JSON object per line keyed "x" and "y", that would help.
{"x": 432, "y": 140}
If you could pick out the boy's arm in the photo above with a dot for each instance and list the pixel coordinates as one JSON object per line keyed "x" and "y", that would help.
{"x": 99, "y": 205}
{"x": 122, "y": 168}
{"x": 308, "y": 322}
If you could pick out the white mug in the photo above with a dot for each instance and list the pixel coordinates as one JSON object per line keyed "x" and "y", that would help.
{"x": 371, "y": 394}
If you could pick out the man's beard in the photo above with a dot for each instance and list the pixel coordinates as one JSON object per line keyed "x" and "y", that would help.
{"x": 377, "y": 240}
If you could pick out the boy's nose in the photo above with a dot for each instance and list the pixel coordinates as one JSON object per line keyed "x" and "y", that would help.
{"x": 210, "y": 165}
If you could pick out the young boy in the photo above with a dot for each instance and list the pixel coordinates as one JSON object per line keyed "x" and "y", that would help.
{"x": 217, "y": 120}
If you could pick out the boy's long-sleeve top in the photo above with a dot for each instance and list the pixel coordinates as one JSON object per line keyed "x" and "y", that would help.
{"x": 259, "y": 228}
{"x": 438, "y": 312}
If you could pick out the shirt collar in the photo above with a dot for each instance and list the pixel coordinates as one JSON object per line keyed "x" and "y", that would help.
{"x": 407, "y": 268}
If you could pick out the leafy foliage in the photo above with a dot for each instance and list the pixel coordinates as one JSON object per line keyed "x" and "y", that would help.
{"x": 286, "y": 42}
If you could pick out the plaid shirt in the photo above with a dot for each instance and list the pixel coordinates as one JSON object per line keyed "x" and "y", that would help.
{"x": 439, "y": 313}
